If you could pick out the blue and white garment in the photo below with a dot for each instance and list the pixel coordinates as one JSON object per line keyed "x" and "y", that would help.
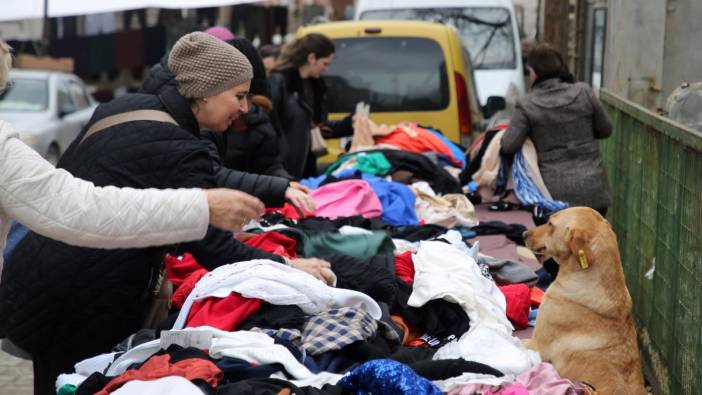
{"x": 526, "y": 190}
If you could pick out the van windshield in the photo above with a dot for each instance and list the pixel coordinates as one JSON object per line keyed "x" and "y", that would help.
{"x": 486, "y": 31}
{"x": 389, "y": 73}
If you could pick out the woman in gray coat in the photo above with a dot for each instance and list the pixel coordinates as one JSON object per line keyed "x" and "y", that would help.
{"x": 563, "y": 119}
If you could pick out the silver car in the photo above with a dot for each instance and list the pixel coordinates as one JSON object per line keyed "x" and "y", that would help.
{"x": 47, "y": 108}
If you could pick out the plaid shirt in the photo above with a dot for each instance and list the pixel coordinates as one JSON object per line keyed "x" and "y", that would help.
{"x": 334, "y": 330}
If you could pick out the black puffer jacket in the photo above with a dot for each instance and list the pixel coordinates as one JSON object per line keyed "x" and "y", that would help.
{"x": 59, "y": 299}
{"x": 293, "y": 118}
{"x": 268, "y": 187}
{"x": 255, "y": 150}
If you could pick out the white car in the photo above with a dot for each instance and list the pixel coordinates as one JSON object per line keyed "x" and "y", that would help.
{"x": 47, "y": 108}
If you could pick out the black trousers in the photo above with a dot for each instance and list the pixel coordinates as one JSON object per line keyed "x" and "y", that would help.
{"x": 48, "y": 366}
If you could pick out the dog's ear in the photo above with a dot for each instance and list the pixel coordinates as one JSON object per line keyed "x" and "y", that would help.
{"x": 579, "y": 245}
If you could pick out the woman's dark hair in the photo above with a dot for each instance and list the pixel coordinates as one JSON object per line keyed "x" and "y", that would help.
{"x": 269, "y": 50}
{"x": 258, "y": 83}
{"x": 295, "y": 54}
{"x": 546, "y": 61}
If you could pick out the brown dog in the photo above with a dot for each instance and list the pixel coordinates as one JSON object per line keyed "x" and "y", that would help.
{"x": 585, "y": 327}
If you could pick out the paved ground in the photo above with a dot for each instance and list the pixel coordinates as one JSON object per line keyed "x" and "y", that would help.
{"x": 15, "y": 375}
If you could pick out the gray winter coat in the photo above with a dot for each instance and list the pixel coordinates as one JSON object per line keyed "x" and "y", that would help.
{"x": 563, "y": 120}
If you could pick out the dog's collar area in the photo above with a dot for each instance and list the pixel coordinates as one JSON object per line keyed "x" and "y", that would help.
{"x": 582, "y": 258}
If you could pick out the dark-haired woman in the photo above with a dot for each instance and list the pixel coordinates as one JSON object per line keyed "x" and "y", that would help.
{"x": 563, "y": 119}
{"x": 299, "y": 101}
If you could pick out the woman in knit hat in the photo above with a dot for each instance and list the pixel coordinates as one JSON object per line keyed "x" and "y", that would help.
{"x": 251, "y": 144}
{"x": 260, "y": 173}
{"x": 63, "y": 304}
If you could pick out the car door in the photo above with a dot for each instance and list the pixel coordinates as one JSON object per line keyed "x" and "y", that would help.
{"x": 82, "y": 109}
{"x": 68, "y": 122}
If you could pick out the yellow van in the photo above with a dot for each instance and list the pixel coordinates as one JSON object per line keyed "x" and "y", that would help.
{"x": 407, "y": 71}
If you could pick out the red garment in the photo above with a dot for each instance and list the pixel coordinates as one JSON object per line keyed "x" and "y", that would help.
{"x": 181, "y": 293}
{"x": 404, "y": 267}
{"x": 178, "y": 269}
{"x": 275, "y": 243}
{"x": 289, "y": 211}
{"x": 518, "y": 303}
{"x": 425, "y": 141}
{"x": 222, "y": 313}
{"x": 537, "y": 296}
{"x": 159, "y": 366}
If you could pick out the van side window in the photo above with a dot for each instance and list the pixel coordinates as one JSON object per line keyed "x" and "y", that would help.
{"x": 389, "y": 73}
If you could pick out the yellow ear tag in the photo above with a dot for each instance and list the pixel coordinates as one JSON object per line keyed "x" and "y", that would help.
{"x": 583, "y": 259}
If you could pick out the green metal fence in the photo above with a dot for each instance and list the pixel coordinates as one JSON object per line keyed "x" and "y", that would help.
{"x": 655, "y": 169}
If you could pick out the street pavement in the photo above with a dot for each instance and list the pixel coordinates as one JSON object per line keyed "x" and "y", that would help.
{"x": 15, "y": 375}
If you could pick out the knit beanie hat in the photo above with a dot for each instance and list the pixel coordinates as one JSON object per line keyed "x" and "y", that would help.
{"x": 206, "y": 66}
{"x": 259, "y": 86}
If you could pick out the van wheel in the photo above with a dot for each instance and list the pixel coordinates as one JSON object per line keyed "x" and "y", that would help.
{"x": 53, "y": 154}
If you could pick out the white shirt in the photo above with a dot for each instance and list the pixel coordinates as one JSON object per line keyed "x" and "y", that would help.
{"x": 276, "y": 284}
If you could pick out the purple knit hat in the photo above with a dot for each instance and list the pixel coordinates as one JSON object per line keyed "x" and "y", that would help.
{"x": 220, "y": 32}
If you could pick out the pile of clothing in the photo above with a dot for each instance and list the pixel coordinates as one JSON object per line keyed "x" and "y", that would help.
{"x": 415, "y": 307}
{"x": 514, "y": 179}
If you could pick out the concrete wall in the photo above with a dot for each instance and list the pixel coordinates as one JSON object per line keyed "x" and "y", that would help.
{"x": 683, "y": 45}
{"x": 531, "y": 18}
{"x": 634, "y": 53}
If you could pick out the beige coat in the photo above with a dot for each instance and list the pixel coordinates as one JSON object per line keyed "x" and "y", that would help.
{"x": 53, "y": 203}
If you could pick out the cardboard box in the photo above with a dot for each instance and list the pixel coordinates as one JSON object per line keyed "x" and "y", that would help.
{"x": 24, "y": 61}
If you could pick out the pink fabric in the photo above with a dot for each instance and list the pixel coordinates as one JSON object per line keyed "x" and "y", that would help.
{"x": 346, "y": 199}
{"x": 543, "y": 379}
{"x": 515, "y": 389}
{"x": 220, "y": 32}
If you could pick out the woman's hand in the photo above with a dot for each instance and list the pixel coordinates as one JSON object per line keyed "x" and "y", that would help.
{"x": 299, "y": 187}
{"x": 300, "y": 199}
{"x": 318, "y": 268}
{"x": 231, "y": 210}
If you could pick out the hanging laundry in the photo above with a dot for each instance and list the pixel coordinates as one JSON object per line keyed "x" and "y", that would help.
{"x": 347, "y": 198}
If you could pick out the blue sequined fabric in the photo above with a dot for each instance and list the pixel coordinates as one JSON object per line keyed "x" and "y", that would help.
{"x": 387, "y": 377}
